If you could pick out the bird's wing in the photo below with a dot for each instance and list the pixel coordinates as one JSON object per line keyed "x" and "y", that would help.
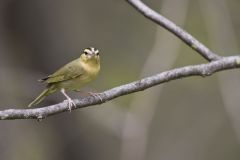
{"x": 67, "y": 72}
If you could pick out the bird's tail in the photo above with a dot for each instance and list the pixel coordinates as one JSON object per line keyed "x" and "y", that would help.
{"x": 45, "y": 93}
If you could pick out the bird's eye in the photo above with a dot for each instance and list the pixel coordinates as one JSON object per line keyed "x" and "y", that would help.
{"x": 85, "y": 53}
{"x": 97, "y": 54}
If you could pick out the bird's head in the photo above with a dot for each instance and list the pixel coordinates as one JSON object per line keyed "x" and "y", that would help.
{"x": 90, "y": 55}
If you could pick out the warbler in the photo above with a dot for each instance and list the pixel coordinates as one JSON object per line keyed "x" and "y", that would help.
{"x": 71, "y": 76}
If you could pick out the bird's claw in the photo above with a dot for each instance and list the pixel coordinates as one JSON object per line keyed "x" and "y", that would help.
{"x": 96, "y": 95}
{"x": 71, "y": 103}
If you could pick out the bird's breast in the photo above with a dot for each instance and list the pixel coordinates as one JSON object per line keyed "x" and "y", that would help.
{"x": 89, "y": 74}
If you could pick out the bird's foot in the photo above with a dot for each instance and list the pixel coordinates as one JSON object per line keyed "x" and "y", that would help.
{"x": 96, "y": 95}
{"x": 71, "y": 103}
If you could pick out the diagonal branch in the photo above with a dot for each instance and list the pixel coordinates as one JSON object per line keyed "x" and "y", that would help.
{"x": 145, "y": 83}
{"x": 179, "y": 32}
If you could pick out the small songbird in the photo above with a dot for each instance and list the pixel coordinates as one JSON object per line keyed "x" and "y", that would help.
{"x": 72, "y": 76}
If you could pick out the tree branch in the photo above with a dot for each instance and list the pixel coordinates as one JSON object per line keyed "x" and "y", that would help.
{"x": 170, "y": 26}
{"x": 194, "y": 70}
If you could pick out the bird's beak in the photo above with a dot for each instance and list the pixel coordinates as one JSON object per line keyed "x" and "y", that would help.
{"x": 91, "y": 55}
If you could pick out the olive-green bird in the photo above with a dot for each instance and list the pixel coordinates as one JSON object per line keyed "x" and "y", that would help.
{"x": 72, "y": 76}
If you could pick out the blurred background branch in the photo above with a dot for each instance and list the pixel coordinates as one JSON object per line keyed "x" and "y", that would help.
{"x": 172, "y": 27}
{"x": 163, "y": 55}
{"x": 226, "y": 42}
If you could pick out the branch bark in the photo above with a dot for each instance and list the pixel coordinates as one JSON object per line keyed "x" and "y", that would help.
{"x": 142, "y": 84}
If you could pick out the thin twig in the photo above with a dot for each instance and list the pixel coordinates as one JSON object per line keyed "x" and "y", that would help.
{"x": 170, "y": 26}
{"x": 183, "y": 72}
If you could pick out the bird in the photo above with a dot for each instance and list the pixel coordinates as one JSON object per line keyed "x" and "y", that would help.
{"x": 71, "y": 76}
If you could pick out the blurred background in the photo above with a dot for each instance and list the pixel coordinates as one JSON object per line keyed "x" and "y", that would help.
{"x": 194, "y": 118}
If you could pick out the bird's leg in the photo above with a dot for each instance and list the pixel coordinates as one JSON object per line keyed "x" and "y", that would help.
{"x": 70, "y": 101}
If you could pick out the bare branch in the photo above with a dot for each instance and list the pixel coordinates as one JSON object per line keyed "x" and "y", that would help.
{"x": 170, "y": 26}
{"x": 194, "y": 70}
